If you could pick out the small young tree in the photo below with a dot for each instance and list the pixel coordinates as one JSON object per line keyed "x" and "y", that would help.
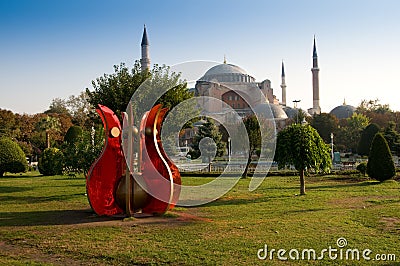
{"x": 203, "y": 145}
{"x": 302, "y": 146}
{"x": 12, "y": 158}
{"x": 380, "y": 162}
{"x": 253, "y": 131}
{"x": 367, "y": 136}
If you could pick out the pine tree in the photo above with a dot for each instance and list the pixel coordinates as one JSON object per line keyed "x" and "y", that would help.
{"x": 393, "y": 138}
{"x": 380, "y": 162}
{"x": 367, "y": 136}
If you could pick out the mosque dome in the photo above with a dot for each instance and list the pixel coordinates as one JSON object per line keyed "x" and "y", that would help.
{"x": 265, "y": 109}
{"x": 227, "y": 73}
{"x": 343, "y": 111}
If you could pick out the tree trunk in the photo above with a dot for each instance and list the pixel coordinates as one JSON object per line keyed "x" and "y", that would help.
{"x": 209, "y": 164}
{"x": 246, "y": 169}
{"x": 302, "y": 183}
{"x": 47, "y": 139}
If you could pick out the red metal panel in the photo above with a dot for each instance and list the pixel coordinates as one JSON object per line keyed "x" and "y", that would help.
{"x": 156, "y": 165}
{"x": 106, "y": 172}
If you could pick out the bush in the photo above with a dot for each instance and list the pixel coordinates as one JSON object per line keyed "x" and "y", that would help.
{"x": 80, "y": 155}
{"x": 367, "y": 136}
{"x": 51, "y": 162}
{"x": 12, "y": 158}
{"x": 362, "y": 168}
{"x": 73, "y": 134}
{"x": 380, "y": 162}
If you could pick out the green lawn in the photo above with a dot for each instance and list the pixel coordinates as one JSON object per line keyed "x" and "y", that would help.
{"x": 48, "y": 221}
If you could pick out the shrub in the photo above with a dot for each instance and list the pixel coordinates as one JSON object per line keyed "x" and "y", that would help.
{"x": 12, "y": 158}
{"x": 367, "y": 136}
{"x": 80, "y": 155}
{"x": 51, "y": 162}
{"x": 73, "y": 134}
{"x": 362, "y": 168}
{"x": 380, "y": 162}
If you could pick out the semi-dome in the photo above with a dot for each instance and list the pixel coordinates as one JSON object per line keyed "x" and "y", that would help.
{"x": 343, "y": 111}
{"x": 265, "y": 109}
{"x": 227, "y": 73}
{"x": 292, "y": 112}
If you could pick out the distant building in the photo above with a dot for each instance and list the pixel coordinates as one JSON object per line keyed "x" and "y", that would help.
{"x": 343, "y": 111}
{"x": 238, "y": 90}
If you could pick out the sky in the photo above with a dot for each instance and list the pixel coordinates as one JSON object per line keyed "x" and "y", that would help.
{"x": 53, "y": 49}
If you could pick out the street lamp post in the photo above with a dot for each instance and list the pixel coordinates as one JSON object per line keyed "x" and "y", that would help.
{"x": 332, "y": 146}
{"x": 297, "y": 113}
{"x": 229, "y": 149}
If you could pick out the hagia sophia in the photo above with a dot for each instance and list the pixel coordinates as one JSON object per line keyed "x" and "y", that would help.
{"x": 232, "y": 85}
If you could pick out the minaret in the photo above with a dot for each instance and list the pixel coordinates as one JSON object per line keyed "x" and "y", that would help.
{"x": 283, "y": 85}
{"x": 315, "y": 82}
{"x": 145, "y": 60}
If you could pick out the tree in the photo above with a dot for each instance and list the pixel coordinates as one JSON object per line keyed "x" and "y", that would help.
{"x": 299, "y": 116}
{"x": 379, "y": 114}
{"x": 302, "y": 146}
{"x": 115, "y": 90}
{"x": 49, "y": 125}
{"x": 73, "y": 134}
{"x": 392, "y": 137}
{"x": 77, "y": 108}
{"x": 380, "y": 164}
{"x": 82, "y": 151}
{"x": 254, "y": 134}
{"x": 80, "y": 109}
{"x": 208, "y": 142}
{"x": 12, "y": 158}
{"x": 58, "y": 106}
{"x": 373, "y": 106}
{"x": 325, "y": 124}
{"x": 26, "y": 127}
{"x": 349, "y": 133}
{"x": 367, "y": 136}
{"x": 7, "y": 124}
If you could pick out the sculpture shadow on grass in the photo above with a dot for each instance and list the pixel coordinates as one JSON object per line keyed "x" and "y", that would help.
{"x": 35, "y": 199}
{"x": 7, "y": 189}
{"x": 52, "y": 217}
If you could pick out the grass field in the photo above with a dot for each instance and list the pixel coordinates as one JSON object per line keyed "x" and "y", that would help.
{"x": 48, "y": 221}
